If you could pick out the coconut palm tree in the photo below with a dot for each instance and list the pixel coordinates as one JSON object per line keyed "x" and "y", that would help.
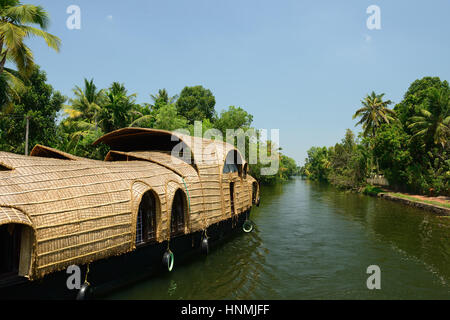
{"x": 10, "y": 88}
{"x": 83, "y": 116}
{"x": 148, "y": 115}
{"x": 162, "y": 97}
{"x": 374, "y": 113}
{"x": 119, "y": 108}
{"x": 433, "y": 123}
{"x": 16, "y": 25}
{"x": 87, "y": 103}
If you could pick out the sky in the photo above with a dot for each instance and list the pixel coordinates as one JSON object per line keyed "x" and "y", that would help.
{"x": 298, "y": 66}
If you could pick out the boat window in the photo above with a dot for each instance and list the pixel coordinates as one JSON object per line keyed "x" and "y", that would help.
{"x": 233, "y": 163}
{"x": 146, "y": 220}
{"x": 178, "y": 213}
{"x": 228, "y": 168}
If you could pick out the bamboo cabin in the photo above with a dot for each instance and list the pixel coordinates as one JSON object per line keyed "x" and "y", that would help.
{"x": 156, "y": 191}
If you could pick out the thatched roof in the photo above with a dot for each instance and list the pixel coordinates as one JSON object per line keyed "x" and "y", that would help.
{"x": 204, "y": 151}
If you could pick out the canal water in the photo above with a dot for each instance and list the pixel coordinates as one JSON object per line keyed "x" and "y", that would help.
{"x": 315, "y": 242}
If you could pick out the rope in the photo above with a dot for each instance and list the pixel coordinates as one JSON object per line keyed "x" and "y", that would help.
{"x": 87, "y": 272}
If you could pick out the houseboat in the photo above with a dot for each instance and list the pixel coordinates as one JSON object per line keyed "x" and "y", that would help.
{"x": 157, "y": 198}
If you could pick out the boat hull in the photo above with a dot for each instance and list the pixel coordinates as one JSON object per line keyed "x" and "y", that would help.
{"x": 107, "y": 275}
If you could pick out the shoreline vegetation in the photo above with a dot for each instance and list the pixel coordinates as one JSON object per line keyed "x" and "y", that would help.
{"x": 406, "y": 148}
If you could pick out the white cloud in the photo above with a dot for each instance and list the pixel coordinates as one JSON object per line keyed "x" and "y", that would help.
{"x": 109, "y": 18}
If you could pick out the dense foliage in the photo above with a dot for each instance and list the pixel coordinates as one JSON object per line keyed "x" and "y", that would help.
{"x": 408, "y": 144}
{"x": 18, "y": 22}
{"x": 41, "y": 104}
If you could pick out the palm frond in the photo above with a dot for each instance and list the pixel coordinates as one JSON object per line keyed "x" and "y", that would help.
{"x": 141, "y": 121}
{"x": 52, "y": 41}
{"x": 27, "y": 13}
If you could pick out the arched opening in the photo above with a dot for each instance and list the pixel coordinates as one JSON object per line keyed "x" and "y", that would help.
{"x": 178, "y": 213}
{"x": 254, "y": 192}
{"x": 233, "y": 163}
{"x": 146, "y": 220}
{"x": 16, "y": 245}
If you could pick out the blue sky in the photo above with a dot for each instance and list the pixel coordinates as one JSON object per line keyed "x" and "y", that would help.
{"x": 298, "y": 66}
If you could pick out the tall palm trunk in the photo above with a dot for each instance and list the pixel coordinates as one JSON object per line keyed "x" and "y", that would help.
{"x": 5, "y": 54}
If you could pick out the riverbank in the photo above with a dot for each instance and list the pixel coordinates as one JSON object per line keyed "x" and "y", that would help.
{"x": 438, "y": 205}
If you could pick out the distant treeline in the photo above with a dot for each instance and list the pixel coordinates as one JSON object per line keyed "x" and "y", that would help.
{"x": 408, "y": 144}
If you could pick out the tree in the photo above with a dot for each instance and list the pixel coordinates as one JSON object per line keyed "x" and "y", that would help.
{"x": 233, "y": 118}
{"x": 167, "y": 118}
{"x": 83, "y": 124}
{"x": 11, "y": 86}
{"x": 77, "y": 137}
{"x": 41, "y": 103}
{"x": 16, "y": 22}
{"x": 162, "y": 98}
{"x": 416, "y": 96}
{"x": 16, "y": 25}
{"x": 145, "y": 116}
{"x": 119, "y": 108}
{"x": 317, "y": 165}
{"x": 87, "y": 103}
{"x": 391, "y": 147}
{"x": 433, "y": 125}
{"x": 348, "y": 162}
{"x": 288, "y": 167}
{"x": 147, "y": 113}
{"x": 373, "y": 113}
{"x": 196, "y": 103}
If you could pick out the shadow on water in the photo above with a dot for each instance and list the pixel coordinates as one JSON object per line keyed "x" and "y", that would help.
{"x": 232, "y": 270}
{"x": 315, "y": 242}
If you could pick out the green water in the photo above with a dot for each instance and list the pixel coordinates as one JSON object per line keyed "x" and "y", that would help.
{"x": 315, "y": 242}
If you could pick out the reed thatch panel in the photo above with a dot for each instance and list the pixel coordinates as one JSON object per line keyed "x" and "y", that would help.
{"x": 11, "y": 215}
{"x": 47, "y": 152}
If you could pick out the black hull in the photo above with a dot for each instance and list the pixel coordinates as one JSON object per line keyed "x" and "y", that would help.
{"x": 111, "y": 274}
